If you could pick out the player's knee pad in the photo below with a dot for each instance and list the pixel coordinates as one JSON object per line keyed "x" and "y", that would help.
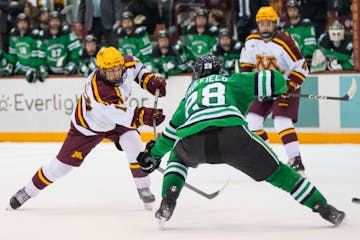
{"x": 284, "y": 178}
{"x": 282, "y": 123}
{"x": 56, "y": 169}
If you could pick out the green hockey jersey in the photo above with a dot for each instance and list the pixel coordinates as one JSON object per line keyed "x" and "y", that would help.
{"x": 56, "y": 52}
{"x": 136, "y": 44}
{"x": 23, "y": 50}
{"x": 198, "y": 45}
{"x": 220, "y": 101}
{"x": 304, "y": 35}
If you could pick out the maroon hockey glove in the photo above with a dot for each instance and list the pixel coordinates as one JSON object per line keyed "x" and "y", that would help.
{"x": 146, "y": 116}
{"x": 157, "y": 83}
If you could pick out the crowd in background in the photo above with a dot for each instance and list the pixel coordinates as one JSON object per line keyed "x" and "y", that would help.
{"x": 42, "y": 37}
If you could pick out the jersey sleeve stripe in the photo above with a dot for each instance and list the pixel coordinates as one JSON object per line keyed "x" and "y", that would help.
{"x": 298, "y": 75}
{"x": 130, "y": 64}
{"x": 146, "y": 80}
{"x": 119, "y": 95}
{"x": 79, "y": 115}
{"x": 286, "y": 48}
{"x": 96, "y": 91}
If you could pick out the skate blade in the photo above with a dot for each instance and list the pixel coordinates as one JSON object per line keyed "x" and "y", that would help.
{"x": 162, "y": 221}
{"x": 149, "y": 206}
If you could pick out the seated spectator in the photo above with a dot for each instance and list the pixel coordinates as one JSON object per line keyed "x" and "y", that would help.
{"x": 316, "y": 11}
{"x": 23, "y": 49}
{"x": 59, "y": 50}
{"x": 201, "y": 36}
{"x": 43, "y": 19}
{"x": 216, "y": 18}
{"x": 301, "y": 30}
{"x": 336, "y": 50}
{"x": 227, "y": 51}
{"x": 165, "y": 58}
{"x": 87, "y": 58}
{"x": 5, "y": 68}
{"x": 132, "y": 40}
{"x": 148, "y": 10}
{"x": 31, "y": 13}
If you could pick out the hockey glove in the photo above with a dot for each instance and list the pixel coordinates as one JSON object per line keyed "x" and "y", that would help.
{"x": 70, "y": 68}
{"x": 146, "y": 116}
{"x": 147, "y": 162}
{"x": 7, "y": 70}
{"x": 43, "y": 73}
{"x": 31, "y": 75}
{"x": 157, "y": 83}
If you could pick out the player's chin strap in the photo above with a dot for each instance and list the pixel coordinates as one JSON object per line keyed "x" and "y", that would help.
{"x": 189, "y": 186}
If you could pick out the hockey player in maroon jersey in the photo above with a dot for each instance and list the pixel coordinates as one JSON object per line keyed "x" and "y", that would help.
{"x": 103, "y": 111}
{"x": 269, "y": 50}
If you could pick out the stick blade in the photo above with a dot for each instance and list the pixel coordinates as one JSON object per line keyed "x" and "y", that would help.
{"x": 352, "y": 90}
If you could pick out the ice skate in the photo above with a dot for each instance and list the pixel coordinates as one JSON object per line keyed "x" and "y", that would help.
{"x": 18, "y": 199}
{"x": 147, "y": 197}
{"x": 297, "y": 165}
{"x": 329, "y": 213}
{"x": 167, "y": 206}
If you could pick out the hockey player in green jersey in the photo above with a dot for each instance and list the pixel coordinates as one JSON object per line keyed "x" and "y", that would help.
{"x": 209, "y": 127}
{"x": 87, "y": 58}
{"x": 132, "y": 40}
{"x": 301, "y": 30}
{"x": 59, "y": 50}
{"x": 337, "y": 48}
{"x": 227, "y": 51}
{"x": 23, "y": 49}
{"x": 165, "y": 58}
{"x": 200, "y": 37}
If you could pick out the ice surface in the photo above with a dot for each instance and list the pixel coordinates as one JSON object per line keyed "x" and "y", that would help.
{"x": 99, "y": 200}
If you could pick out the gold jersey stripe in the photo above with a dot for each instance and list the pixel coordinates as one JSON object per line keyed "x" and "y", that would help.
{"x": 298, "y": 75}
{"x": 118, "y": 94}
{"x": 130, "y": 64}
{"x": 146, "y": 80}
{"x": 96, "y": 91}
{"x": 134, "y": 166}
{"x": 286, "y": 47}
{"x": 79, "y": 113}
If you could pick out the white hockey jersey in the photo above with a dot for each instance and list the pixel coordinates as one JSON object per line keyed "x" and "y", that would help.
{"x": 280, "y": 53}
{"x": 101, "y": 106}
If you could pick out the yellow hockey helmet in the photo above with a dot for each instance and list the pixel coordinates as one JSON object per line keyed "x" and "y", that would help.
{"x": 267, "y": 13}
{"x": 109, "y": 57}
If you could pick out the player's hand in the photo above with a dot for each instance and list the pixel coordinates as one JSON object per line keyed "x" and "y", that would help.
{"x": 147, "y": 162}
{"x": 146, "y": 116}
{"x": 155, "y": 83}
{"x": 292, "y": 87}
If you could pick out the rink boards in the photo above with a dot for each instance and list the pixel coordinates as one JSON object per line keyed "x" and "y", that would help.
{"x": 41, "y": 112}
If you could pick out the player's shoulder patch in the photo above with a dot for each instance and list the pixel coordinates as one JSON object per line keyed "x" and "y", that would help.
{"x": 130, "y": 61}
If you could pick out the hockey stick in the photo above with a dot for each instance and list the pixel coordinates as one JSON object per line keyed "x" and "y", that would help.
{"x": 348, "y": 96}
{"x": 189, "y": 186}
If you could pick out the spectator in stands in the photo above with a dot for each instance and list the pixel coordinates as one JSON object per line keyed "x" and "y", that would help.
{"x": 99, "y": 19}
{"x": 132, "y": 40}
{"x": 316, "y": 11}
{"x": 337, "y": 47}
{"x": 23, "y": 49}
{"x": 245, "y": 12}
{"x": 5, "y": 68}
{"x": 201, "y": 37}
{"x": 165, "y": 58}
{"x": 340, "y": 10}
{"x": 43, "y": 19}
{"x": 216, "y": 18}
{"x": 301, "y": 30}
{"x": 9, "y": 10}
{"x": 59, "y": 49}
{"x": 148, "y": 9}
{"x": 87, "y": 62}
{"x": 227, "y": 51}
{"x": 31, "y": 13}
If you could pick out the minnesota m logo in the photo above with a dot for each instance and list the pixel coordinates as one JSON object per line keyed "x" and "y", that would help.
{"x": 267, "y": 63}
{"x": 77, "y": 154}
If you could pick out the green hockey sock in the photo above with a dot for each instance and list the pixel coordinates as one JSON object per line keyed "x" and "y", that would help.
{"x": 301, "y": 189}
{"x": 175, "y": 175}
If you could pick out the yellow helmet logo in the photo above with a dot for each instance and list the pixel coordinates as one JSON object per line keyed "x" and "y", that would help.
{"x": 109, "y": 57}
{"x": 266, "y": 14}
